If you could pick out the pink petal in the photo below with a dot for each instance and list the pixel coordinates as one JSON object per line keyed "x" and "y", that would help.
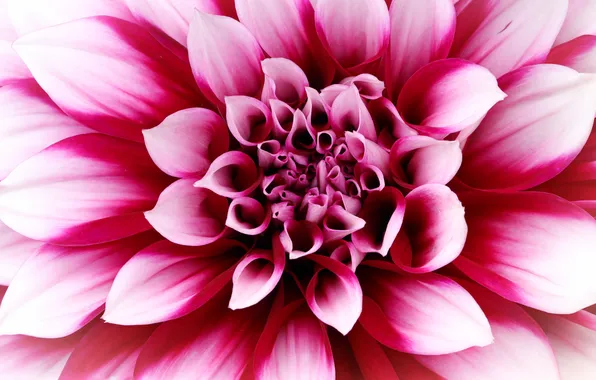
{"x": 505, "y": 35}
{"x": 301, "y": 238}
{"x": 426, "y": 314}
{"x": 534, "y": 133}
{"x": 285, "y": 28}
{"x": 86, "y": 189}
{"x": 294, "y": 346}
{"x": 224, "y": 179}
{"x": 268, "y": 154}
{"x": 189, "y": 215}
{"x": 383, "y": 212}
{"x": 334, "y": 294}
{"x": 12, "y": 68}
{"x": 302, "y": 136}
{"x": 215, "y": 39}
{"x": 346, "y": 253}
{"x": 317, "y": 112}
{"x": 316, "y": 207}
{"x": 579, "y": 54}
{"x": 284, "y": 80}
{"x": 370, "y": 177}
{"x": 257, "y": 275}
{"x": 472, "y": 90}
{"x": 434, "y": 227}
{"x": 369, "y": 86}
{"x": 325, "y": 141}
{"x": 354, "y": 34}
{"x": 249, "y": 119}
{"x": 283, "y": 118}
{"x": 60, "y": 289}
{"x": 408, "y": 368}
{"x": 367, "y": 152}
{"x": 421, "y": 160}
{"x": 166, "y": 281}
{"x": 372, "y": 361}
{"x": 386, "y": 118}
{"x": 15, "y": 249}
{"x": 248, "y": 216}
{"x": 107, "y": 352}
{"x": 339, "y": 223}
{"x": 520, "y": 349}
{"x": 118, "y": 83}
{"x": 421, "y": 32}
{"x": 186, "y": 142}
{"x": 330, "y": 93}
{"x": 349, "y": 113}
{"x": 211, "y": 343}
{"x": 31, "y": 123}
{"x": 531, "y": 248}
{"x": 579, "y": 21}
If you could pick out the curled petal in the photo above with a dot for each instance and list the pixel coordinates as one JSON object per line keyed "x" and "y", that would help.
{"x": 302, "y": 136}
{"x": 421, "y": 32}
{"x": 354, "y": 34}
{"x": 370, "y": 177}
{"x": 282, "y": 211}
{"x": 15, "y": 249}
{"x": 514, "y": 331}
{"x": 221, "y": 341}
{"x": 325, "y": 141}
{"x": 351, "y": 204}
{"x": 369, "y": 86}
{"x": 337, "y": 179}
{"x": 472, "y": 91}
{"x": 294, "y": 329}
{"x": 301, "y": 238}
{"x": 578, "y": 21}
{"x": 330, "y": 93}
{"x": 86, "y": 189}
{"x": 286, "y": 28}
{"x": 232, "y": 175}
{"x": 273, "y": 185}
{"x": 579, "y": 54}
{"x": 107, "y": 351}
{"x": 249, "y": 120}
{"x": 316, "y": 207}
{"x": 368, "y": 152}
{"x": 30, "y": 123}
{"x": 531, "y": 248}
{"x": 383, "y": 213}
{"x": 421, "y": 160}
{"x": 284, "y": 80}
{"x": 257, "y": 275}
{"x": 118, "y": 82}
{"x": 283, "y": 118}
{"x": 449, "y": 320}
{"x": 346, "y": 253}
{"x": 339, "y": 223}
{"x": 334, "y": 294}
{"x": 268, "y": 154}
{"x": 166, "y": 281}
{"x": 386, "y": 118}
{"x": 505, "y": 35}
{"x": 60, "y": 289}
{"x": 248, "y": 216}
{"x": 189, "y": 215}
{"x": 349, "y": 114}
{"x": 353, "y": 188}
{"x": 214, "y": 39}
{"x": 186, "y": 142}
{"x": 534, "y": 133}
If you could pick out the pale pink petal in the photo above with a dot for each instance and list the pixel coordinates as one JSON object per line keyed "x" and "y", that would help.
{"x": 578, "y": 21}
{"x": 531, "y": 248}
{"x": 505, "y": 35}
{"x": 426, "y": 314}
{"x": 189, "y": 215}
{"x": 166, "y": 281}
{"x": 334, "y": 294}
{"x": 383, "y": 212}
{"x": 294, "y": 346}
{"x": 213, "y": 343}
{"x": 534, "y": 133}
{"x": 579, "y": 54}
{"x": 421, "y": 32}
{"x": 573, "y": 342}
{"x": 232, "y": 175}
{"x": 339, "y": 223}
{"x": 213, "y": 40}
{"x": 60, "y": 289}
{"x": 349, "y": 114}
{"x": 368, "y": 152}
{"x": 421, "y": 160}
{"x": 12, "y": 68}
{"x": 346, "y": 253}
{"x": 447, "y": 96}
{"x": 249, "y": 119}
{"x": 302, "y": 136}
{"x": 369, "y": 86}
{"x": 118, "y": 82}
{"x": 520, "y": 349}
{"x": 107, "y": 352}
{"x": 354, "y": 33}
{"x": 434, "y": 230}
{"x": 186, "y": 142}
{"x": 330, "y": 93}
{"x": 370, "y": 177}
{"x": 315, "y": 207}
{"x": 283, "y": 118}
{"x": 285, "y": 28}
{"x": 316, "y": 110}
{"x": 15, "y": 249}
{"x": 257, "y": 275}
{"x": 388, "y": 120}
{"x": 284, "y": 80}
{"x": 301, "y": 238}
{"x": 87, "y": 189}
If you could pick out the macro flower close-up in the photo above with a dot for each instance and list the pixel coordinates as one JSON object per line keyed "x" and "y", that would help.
{"x": 297, "y": 189}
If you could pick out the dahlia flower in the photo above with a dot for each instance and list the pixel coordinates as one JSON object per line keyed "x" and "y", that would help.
{"x": 297, "y": 189}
